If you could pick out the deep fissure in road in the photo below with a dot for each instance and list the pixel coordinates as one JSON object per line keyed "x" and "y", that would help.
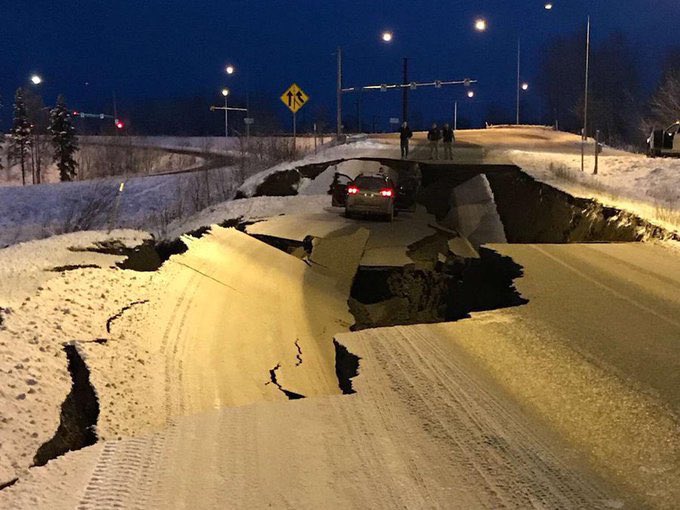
{"x": 79, "y": 413}
{"x": 346, "y": 367}
{"x": 449, "y": 292}
{"x": 535, "y": 212}
{"x": 291, "y": 395}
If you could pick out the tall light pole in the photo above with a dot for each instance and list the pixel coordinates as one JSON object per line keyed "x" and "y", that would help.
{"x": 338, "y": 119}
{"x": 225, "y": 93}
{"x": 584, "y": 132}
{"x": 519, "y": 53}
{"x": 386, "y": 36}
{"x": 585, "y": 105}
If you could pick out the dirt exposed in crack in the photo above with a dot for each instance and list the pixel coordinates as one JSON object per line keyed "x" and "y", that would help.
{"x": 484, "y": 284}
{"x": 118, "y": 315}
{"x": 273, "y": 380}
{"x": 535, "y": 212}
{"x": 79, "y": 413}
{"x": 346, "y": 368}
{"x": 450, "y": 291}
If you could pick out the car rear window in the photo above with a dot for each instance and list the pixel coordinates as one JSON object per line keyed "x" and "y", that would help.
{"x": 370, "y": 183}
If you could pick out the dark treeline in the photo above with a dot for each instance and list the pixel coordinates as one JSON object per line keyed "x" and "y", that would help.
{"x": 618, "y": 105}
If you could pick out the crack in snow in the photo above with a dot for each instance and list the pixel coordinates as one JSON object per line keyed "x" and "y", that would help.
{"x": 117, "y": 316}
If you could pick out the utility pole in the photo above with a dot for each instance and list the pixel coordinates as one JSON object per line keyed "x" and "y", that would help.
{"x": 584, "y": 133}
{"x": 518, "y": 78}
{"x": 455, "y": 115}
{"x": 339, "y": 95}
{"x": 404, "y": 113}
{"x": 585, "y": 105}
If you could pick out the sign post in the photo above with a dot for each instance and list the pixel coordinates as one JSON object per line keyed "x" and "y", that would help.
{"x": 294, "y": 98}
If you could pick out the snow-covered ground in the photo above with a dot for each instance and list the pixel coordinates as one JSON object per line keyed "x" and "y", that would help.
{"x": 40, "y": 311}
{"x": 147, "y": 203}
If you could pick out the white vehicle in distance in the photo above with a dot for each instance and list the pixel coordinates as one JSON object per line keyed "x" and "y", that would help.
{"x": 371, "y": 195}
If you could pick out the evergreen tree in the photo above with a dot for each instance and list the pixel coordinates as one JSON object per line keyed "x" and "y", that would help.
{"x": 20, "y": 134}
{"x": 64, "y": 140}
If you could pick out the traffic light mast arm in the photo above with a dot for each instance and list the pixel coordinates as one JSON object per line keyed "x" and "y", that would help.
{"x": 412, "y": 85}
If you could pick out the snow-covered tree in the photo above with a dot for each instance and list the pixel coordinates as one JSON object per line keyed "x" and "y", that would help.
{"x": 64, "y": 140}
{"x": 20, "y": 134}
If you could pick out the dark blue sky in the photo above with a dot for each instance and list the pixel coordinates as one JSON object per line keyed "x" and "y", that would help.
{"x": 153, "y": 48}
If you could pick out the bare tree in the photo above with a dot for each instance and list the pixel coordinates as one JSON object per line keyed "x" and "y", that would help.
{"x": 665, "y": 103}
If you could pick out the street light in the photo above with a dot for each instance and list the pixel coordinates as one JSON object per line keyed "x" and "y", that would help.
{"x": 230, "y": 69}
{"x": 225, "y": 93}
{"x": 36, "y": 80}
{"x": 548, "y": 6}
{"x": 525, "y": 86}
{"x": 386, "y": 37}
{"x": 480, "y": 25}
{"x": 471, "y": 94}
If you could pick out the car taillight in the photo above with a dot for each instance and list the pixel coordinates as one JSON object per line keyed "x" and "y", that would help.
{"x": 352, "y": 190}
{"x": 386, "y": 192}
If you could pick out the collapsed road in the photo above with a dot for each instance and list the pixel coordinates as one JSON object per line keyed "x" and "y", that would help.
{"x": 563, "y": 393}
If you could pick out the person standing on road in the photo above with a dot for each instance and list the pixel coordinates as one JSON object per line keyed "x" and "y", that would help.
{"x": 405, "y": 135}
{"x": 433, "y": 136}
{"x": 447, "y": 140}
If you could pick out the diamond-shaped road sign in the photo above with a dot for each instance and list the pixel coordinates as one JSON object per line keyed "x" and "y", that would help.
{"x": 294, "y": 98}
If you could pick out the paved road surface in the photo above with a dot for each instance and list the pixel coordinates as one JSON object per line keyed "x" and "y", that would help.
{"x": 422, "y": 431}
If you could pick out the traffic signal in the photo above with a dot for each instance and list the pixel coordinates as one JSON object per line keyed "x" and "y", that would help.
{"x": 119, "y": 124}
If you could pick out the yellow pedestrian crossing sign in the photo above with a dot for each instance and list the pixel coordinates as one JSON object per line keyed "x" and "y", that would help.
{"x": 294, "y": 98}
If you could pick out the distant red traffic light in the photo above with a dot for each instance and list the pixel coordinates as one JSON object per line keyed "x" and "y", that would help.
{"x": 120, "y": 124}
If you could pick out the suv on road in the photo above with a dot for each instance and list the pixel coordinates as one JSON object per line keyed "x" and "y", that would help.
{"x": 371, "y": 194}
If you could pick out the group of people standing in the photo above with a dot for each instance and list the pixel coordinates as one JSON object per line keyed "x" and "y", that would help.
{"x": 435, "y": 136}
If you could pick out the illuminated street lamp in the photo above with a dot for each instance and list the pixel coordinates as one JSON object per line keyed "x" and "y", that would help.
{"x": 548, "y": 6}
{"x": 36, "y": 80}
{"x": 480, "y": 25}
{"x": 230, "y": 69}
{"x": 386, "y": 37}
{"x": 470, "y": 94}
{"x": 525, "y": 86}
{"x": 225, "y": 93}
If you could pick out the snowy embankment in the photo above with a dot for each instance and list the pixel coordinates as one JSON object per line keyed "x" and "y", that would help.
{"x": 647, "y": 187}
{"x": 146, "y": 203}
